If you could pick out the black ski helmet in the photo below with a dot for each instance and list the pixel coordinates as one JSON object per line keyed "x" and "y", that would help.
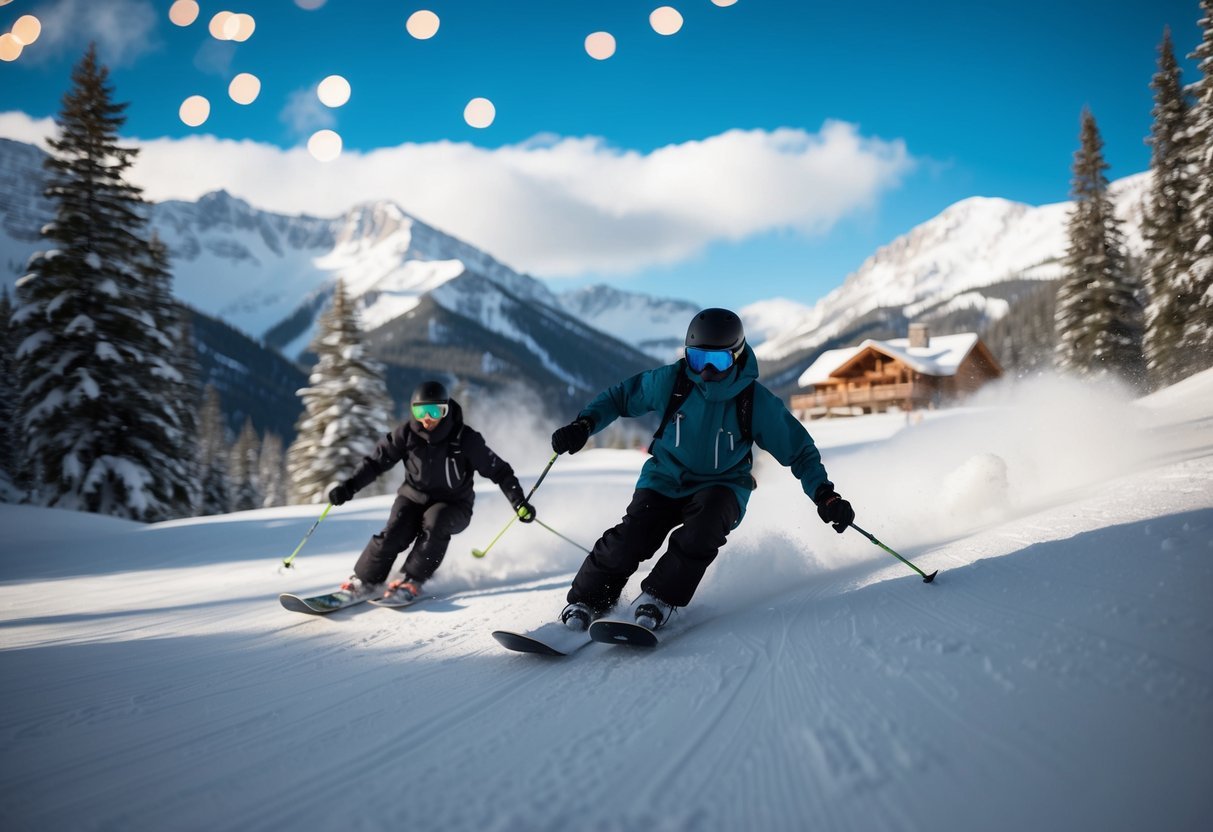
{"x": 717, "y": 329}
{"x": 430, "y": 392}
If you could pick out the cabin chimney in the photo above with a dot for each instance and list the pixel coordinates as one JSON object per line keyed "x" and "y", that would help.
{"x": 920, "y": 335}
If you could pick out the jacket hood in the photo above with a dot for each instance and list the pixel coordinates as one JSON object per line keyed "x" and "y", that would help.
{"x": 739, "y": 376}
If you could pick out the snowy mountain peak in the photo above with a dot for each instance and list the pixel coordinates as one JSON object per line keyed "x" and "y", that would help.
{"x": 372, "y": 222}
{"x": 975, "y": 243}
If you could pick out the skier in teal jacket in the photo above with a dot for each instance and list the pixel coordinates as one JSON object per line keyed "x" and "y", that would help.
{"x": 698, "y": 480}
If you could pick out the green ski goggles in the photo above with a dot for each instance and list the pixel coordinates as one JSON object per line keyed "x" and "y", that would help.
{"x": 429, "y": 411}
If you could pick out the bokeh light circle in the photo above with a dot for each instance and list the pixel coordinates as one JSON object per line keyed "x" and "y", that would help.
{"x": 26, "y": 29}
{"x": 665, "y": 20}
{"x": 309, "y": 5}
{"x": 423, "y": 24}
{"x": 723, "y": 3}
{"x": 183, "y": 12}
{"x": 244, "y": 26}
{"x": 195, "y": 110}
{"x": 479, "y": 113}
{"x": 244, "y": 88}
{"x": 600, "y": 45}
{"x": 218, "y": 25}
{"x": 324, "y": 145}
{"x": 10, "y": 47}
{"x": 231, "y": 26}
{"x": 333, "y": 91}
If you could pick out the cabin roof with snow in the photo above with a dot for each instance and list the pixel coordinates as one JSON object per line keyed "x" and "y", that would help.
{"x": 942, "y": 357}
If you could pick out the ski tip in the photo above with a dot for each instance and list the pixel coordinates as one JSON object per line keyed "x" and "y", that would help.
{"x": 520, "y": 643}
{"x": 927, "y": 579}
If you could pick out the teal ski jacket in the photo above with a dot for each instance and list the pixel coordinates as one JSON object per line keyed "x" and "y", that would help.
{"x": 702, "y": 445}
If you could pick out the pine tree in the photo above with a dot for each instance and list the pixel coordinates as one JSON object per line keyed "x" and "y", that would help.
{"x": 1165, "y": 223}
{"x": 272, "y": 471}
{"x": 92, "y": 352}
{"x": 346, "y": 406}
{"x": 1098, "y": 317}
{"x": 187, "y": 392}
{"x": 1197, "y": 281}
{"x": 11, "y": 435}
{"x": 173, "y": 385}
{"x": 212, "y": 457}
{"x": 244, "y": 469}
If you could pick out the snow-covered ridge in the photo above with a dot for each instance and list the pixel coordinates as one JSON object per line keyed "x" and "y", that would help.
{"x": 656, "y": 326}
{"x": 974, "y": 243}
{"x": 255, "y": 268}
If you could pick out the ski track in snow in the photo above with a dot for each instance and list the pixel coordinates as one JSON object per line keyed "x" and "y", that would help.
{"x": 1057, "y": 675}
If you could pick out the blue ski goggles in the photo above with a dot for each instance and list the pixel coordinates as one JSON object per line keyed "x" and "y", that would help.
{"x": 430, "y": 411}
{"x": 698, "y": 358}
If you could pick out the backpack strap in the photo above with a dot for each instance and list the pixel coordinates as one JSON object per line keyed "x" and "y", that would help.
{"x": 683, "y": 385}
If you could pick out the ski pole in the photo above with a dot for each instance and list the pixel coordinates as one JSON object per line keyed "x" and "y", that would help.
{"x": 479, "y": 553}
{"x": 926, "y": 579}
{"x": 562, "y": 537}
{"x": 287, "y": 561}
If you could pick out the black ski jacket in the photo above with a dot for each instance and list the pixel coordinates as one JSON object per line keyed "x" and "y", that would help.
{"x": 438, "y": 464}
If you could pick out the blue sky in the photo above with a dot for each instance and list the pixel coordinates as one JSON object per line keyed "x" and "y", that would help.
{"x": 764, "y": 150}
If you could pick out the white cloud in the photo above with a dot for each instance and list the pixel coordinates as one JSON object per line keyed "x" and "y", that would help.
{"x": 305, "y": 114}
{"x": 558, "y": 207}
{"x": 122, "y": 29}
{"x": 22, "y": 128}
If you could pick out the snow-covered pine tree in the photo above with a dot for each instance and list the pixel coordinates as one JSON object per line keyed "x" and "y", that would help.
{"x": 1197, "y": 280}
{"x": 215, "y": 497}
{"x": 243, "y": 469}
{"x": 90, "y": 349}
{"x": 174, "y": 375}
{"x": 271, "y": 467}
{"x": 10, "y": 435}
{"x": 346, "y": 407}
{"x": 1168, "y": 251}
{"x": 1099, "y": 318}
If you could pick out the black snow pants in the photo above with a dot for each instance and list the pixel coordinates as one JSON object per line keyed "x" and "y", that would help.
{"x": 703, "y": 521}
{"x": 428, "y": 526}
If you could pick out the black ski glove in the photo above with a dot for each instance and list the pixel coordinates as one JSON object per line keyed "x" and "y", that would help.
{"x": 526, "y": 512}
{"x": 572, "y": 437}
{"x": 831, "y": 508}
{"x": 340, "y": 494}
{"x": 513, "y": 492}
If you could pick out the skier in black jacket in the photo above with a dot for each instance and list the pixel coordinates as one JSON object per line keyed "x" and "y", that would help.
{"x": 435, "y": 502}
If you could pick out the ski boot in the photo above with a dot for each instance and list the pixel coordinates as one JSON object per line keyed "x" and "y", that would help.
{"x": 577, "y": 616}
{"x": 402, "y": 591}
{"x": 357, "y": 589}
{"x": 651, "y": 611}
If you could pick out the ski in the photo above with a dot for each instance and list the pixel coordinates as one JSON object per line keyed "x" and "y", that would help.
{"x": 397, "y": 605}
{"x": 319, "y": 604}
{"x": 552, "y": 639}
{"x": 618, "y": 631}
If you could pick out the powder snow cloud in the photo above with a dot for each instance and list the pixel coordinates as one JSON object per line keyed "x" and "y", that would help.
{"x": 554, "y": 206}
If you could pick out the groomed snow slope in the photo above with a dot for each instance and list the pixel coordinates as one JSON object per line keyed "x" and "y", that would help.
{"x": 1057, "y": 675}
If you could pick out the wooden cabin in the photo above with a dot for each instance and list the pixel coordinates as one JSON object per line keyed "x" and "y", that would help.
{"x": 913, "y": 373}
